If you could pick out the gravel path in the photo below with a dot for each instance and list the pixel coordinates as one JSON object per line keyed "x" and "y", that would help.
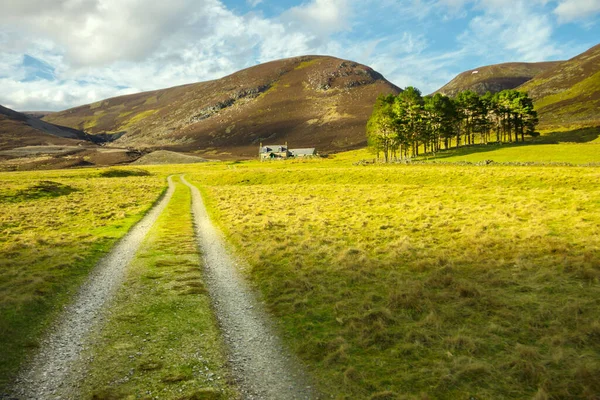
{"x": 47, "y": 376}
{"x": 261, "y": 365}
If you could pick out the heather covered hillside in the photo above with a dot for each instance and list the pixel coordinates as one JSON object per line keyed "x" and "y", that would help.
{"x": 495, "y": 78}
{"x": 568, "y": 95}
{"x": 310, "y": 101}
{"x": 18, "y": 130}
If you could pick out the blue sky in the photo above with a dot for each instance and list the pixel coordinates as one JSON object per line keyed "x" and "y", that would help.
{"x": 63, "y": 53}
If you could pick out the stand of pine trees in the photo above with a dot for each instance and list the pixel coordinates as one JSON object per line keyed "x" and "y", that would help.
{"x": 402, "y": 126}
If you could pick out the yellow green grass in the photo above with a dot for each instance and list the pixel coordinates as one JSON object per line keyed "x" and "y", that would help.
{"x": 306, "y": 64}
{"x": 574, "y": 153}
{"x": 425, "y": 281}
{"x": 575, "y": 146}
{"x": 572, "y": 146}
{"x": 54, "y": 226}
{"x": 160, "y": 339}
{"x": 91, "y": 121}
{"x": 125, "y": 114}
{"x": 390, "y": 282}
{"x": 583, "y": 88}
{"x": 137, "y": 118}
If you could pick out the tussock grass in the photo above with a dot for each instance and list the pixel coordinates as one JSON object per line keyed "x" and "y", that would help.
{"x": 123, "y": 172}
{"x": 425, "y": 281}
{"x": 137, "y": 118}
{"x": 573, "y": 153}
{"x": 54, "y": 227}
{"x": 38, "y": 190}
{"x": 573, "y": 145}
{"x": 161, "y": 339}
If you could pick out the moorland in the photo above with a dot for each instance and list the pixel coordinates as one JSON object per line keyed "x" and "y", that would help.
{"x": 470, "y": 270}
{"x": 441, "y": 280}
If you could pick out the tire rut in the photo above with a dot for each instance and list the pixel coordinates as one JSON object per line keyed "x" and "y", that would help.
{"x": 48, "y": 374}
{"x": 260, "y": 363}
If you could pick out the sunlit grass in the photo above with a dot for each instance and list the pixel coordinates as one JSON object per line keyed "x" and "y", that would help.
{"x": 54, "y": 226}
{"x": 579, "y": 145}
{"x": 439, "y": 281}
{"x": 161, "y": 339}
{"x": 573, "y": 153}
{"x": 390, "y": 281}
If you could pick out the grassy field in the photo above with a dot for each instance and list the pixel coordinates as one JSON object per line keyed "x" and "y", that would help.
{"x": 575, "y": 153}
{"x": 389, "y": 281}
{"x": 425, "y": 281}
{"x": 160, "y": 339}
{"x": 572, "y": 146}
{"x": 54, "y": 226}
{"x": 580, "y": 146}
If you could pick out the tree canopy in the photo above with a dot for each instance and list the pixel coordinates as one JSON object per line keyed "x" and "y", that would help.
{"x": 401, "y": 126}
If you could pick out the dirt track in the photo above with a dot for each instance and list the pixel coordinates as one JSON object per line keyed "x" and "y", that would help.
{"x": 261, "y": 365}
{"x": 47, "y": 376}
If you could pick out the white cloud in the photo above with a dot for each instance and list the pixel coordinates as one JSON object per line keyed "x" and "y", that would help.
{"x": 49, "y": 96}
{"x": 98, "y": 47}
{"x": 519, "y": 32}
{"x": 95, "y": 32}
{"x": 428, "y": 72}
{"x": 572, "y": 10}
{"x": 321, "y": 17}
{"x": 142, "y": 46}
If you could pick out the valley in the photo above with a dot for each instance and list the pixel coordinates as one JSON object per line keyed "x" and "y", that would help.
{"x": 373, "y": 274}
{"x": 276, "y": 226}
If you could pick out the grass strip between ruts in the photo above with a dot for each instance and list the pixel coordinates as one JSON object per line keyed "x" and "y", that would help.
{"x": 161, "y": 339}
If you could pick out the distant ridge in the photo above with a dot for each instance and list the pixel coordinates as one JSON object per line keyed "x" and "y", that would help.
{"x": 495, "y": 78}
{"x": 311, "y": 101}
{"x": 568, "y": 95}
{"x": 19, "y": 130}
{"x": 168, "y": 157}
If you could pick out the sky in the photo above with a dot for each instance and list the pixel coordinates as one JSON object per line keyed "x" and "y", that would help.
{"x": 57, "y": 54}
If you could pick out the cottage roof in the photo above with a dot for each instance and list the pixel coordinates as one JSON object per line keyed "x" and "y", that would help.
{"x": 305, "y": 151}
{"x": 273, "y": 148}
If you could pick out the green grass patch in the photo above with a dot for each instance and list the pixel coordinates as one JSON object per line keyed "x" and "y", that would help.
{"x": 39, "y": 190}
{"x": 574, "y": 146}
{"x": 272, "y": 88}
{"x": 151, "y": 100}
{"x": 161, "y": 339}
{"x": 425, "y": 281}
{"x": 306, "y": 64}
{"x": 54, "y": 227}
{"x": 124, "y": 114}
{"x": 584, "y": 88}
{"x": 137, "y": 118}
{"x": 542, "y": 153}
{"x": 123, "y": 172}
{"x": 573, "y": 135}
{"x": 91, "y": 122}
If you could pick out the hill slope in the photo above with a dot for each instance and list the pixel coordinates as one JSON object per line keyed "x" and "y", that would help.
{"x": 19, "y": 130}
{"x": 310, "y": 101}
{"x": 495, "y": 78}
{"x": 160, "y": 157}
{"x": 568, "y": 95}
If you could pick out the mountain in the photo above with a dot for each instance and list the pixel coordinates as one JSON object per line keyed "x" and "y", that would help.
{"x": 495, "y": 78}
{"x": 19, "y": 130}
{"x": 28, "y": 143}
{"x": 568, "y": 95}
{"x": 310, "y": 101}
